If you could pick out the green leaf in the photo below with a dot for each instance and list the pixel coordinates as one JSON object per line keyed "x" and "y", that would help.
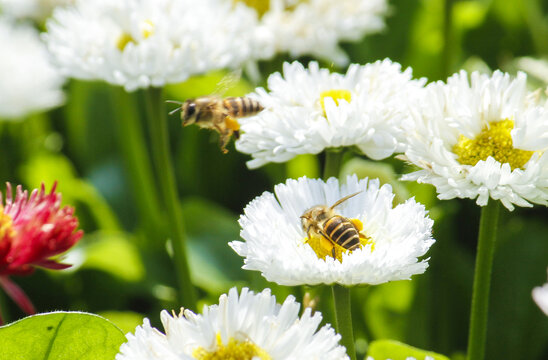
{"x": 127, "y": 321}
{"x": 376, "y": 170}
{"x": 303, "y": 165}
{"x": 386, "y": 308}
{"x": 61, "y": 336}
{"x": 49, "y": 168}
{"x": 395, "y": 350}
{"x": 215, "y": 266}
{"x": 116, "y": 254}
{"x": 206, "y": 85}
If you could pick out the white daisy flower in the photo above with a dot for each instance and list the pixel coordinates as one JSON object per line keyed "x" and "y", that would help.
{"x": 407, "y": 358}
{"x": 481, "y": 139}
{"x": 315, "y": 27}
{"x": 29, "y": 82}
{"x": 33, "y": 9}
{"x": 143, "y": 43}
{"x": 540, "y": 295}
{"x": 309, "y": 110}
{"x": 246, "y": 326}
{"x": 392, "y": 239}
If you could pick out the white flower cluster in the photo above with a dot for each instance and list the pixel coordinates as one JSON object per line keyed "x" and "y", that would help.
{"x": 315, "y": 27}
{"x": 30, "y": 9}
{"x": 310, "y": 109}
{"x": 484, "y": 138}
{"x": 540, "y": 295}
{"x": 143, "y": 43}
{"x": 275, "y": 241}
{"x": 29, "y": 82}
{"x": 242, "y": 326}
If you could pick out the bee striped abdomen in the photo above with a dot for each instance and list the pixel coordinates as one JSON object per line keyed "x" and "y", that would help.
{"x": 241, "y": 106}
{"x": 341, "y": 231}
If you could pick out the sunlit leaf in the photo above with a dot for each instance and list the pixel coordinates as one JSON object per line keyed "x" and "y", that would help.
{"x": 50, "y": 168}
{"x": 386, "y": 307}
{"x": 303, "y": 165}
{"x": 376, "y": 170}
{"x": 206, "y": 85}
{"x": 394, "y": 350}
{"x": 114, "y": 253}
{"x": 61, "y": 336}
{"x": 215, "y": 266}
{"x": 127, "y": 321}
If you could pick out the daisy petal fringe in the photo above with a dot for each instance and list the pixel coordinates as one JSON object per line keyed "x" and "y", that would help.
{"x": 276, "y": 244}
{"x": 25, "y": 69}
{"x": 241, "y": 326}
{"x": 481, "y": 139}
{"x": 308, "y": 110}
{"x": 149, "y": 43}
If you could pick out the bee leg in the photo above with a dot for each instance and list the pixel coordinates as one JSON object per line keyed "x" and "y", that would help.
{"x": 223, "y": 141}
{"x": 236, "y": 134}
{"x": 333, "y": 252}
{"x": 232, "y": 123}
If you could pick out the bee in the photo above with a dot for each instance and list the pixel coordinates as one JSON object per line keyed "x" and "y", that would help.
{"x": 217, "y": 113}
{"x": 337, "y": 229}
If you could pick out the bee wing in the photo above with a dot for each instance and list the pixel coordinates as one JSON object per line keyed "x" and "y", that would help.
{"x": 228, "y": 81}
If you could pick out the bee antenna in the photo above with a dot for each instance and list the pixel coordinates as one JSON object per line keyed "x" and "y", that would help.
{"x": 340, "y": 201}
{"x": 174, "y": 110}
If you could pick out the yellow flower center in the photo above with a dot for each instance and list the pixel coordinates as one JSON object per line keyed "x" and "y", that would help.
{"x": 494, "y": 141}
{"x": 262, "y": 6}
{"x": 324, "y": 248}
{"x": 6, "y": 228}
{"x": 147, "y": 29}
{"x": 234, "y": 350}
{"x": 336, "y": 95}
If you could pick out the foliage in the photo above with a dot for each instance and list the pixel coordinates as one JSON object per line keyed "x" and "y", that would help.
{"x": 122, "y": 272}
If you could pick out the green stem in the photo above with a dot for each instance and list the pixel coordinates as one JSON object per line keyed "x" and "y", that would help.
{"x": 482, "y": 280}
{"x": 133, "y": 145}
{"x": 332, "y": 165}
{"x": 343, "y": 318}
{"x": 447, "y": 51}
{"x": 157, "y": 126}
{"x": 3, "y": 313}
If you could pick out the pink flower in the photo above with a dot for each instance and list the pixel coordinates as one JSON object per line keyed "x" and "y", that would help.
{"x": 32, "y": 230}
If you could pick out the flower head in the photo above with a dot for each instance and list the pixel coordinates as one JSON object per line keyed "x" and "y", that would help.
{"x": 245, "y": 326}
{"x": 484, "y": 138}
{"x": 391, "y": 238}
{"x": 143, "y": 43}
{"x": 315, "y": 27}
{"x": 33, "y": 229}
{"x": 29, "y": 82}
{"x": 310, "y": 109}
{"x": 540, "y": 295}
{"x": 34, "y": 9}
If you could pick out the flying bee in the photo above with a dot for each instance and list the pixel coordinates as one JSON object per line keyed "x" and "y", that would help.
{"x": 217, "y": 113}
{"x": 323, "y": 221}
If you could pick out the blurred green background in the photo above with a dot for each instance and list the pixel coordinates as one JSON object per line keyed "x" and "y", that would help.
{"x": 125, "y": 275}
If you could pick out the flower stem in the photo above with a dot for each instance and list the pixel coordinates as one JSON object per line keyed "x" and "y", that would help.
{"x": 332, "y": 165}
{"x": 482, "y": 280}
{"x": 448, "y": 42}
{"x": 3, "y": 316}
{"x": 157, "y": 126}
{"x": 137, "y": 161}
{"x": 343, "y": 318}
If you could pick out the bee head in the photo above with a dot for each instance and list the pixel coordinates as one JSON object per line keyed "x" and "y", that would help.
{"x": 188, "y": 112}
{"x": 314, "y": 216}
